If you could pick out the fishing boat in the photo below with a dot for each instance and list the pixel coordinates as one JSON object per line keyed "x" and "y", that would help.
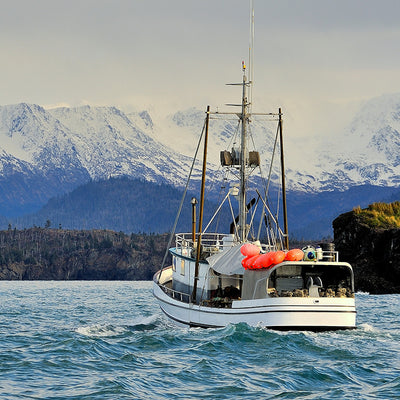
{"x": 248, "y": 274}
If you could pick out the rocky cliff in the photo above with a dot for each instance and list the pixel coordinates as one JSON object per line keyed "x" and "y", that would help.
{"x": 57, "y": 254}
{"x": 373, "y": 251}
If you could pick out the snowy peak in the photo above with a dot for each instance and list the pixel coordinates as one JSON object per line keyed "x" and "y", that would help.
{"x": 98, "y": 141}
{"x": 31, "y": 134}
{"x": 376, "y": 126}
{"x": 69, "y": 146}
{"x": 367, "y": 152}
{"x": 145, "y": 116}
{"x": 377, "y": 112}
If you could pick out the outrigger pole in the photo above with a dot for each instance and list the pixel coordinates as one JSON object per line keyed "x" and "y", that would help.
{"x": 203, "y": 181}
{"x": 285, "y": 221}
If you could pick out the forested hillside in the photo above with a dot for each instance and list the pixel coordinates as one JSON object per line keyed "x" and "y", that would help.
{"x": 119, "y": 204}
{"x": 57, "y": 254}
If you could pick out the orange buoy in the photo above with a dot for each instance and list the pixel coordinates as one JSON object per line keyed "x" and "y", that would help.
{"x": 277, "y": 257}
{"x": 249, "y": 250}
{"x": 250, "y": 261}
{"x": 244, "y": 262}
{"x": 262, "y": 261}
{"x": 266, "y": 260}
{"x": 294, "y": 255}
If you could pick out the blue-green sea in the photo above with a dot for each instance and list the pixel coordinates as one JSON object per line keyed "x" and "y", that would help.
{"x": 109, "y": 340}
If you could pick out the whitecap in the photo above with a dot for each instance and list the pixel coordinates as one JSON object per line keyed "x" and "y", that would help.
{"x": 150, "y": 320}
{"x": 98, "y": 330}
{"x": 368, "y": 328}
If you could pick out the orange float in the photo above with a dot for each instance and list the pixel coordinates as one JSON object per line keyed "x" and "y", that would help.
{"x": 277, "y": 257}
{"x": 250, "y": 262}
{"x": 244, "y": 261}
{"x": 294, "y": 255}
{"x": 249, "y": 250}
{"x": 262, "y": 261}
{"x": 268, "y": 260}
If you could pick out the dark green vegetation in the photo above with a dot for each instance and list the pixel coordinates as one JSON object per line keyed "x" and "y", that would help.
{"x": 118, "y": 204}
{"x": 380, "y": 215}
{"x": 134, "y": 205}
{"x": 57, "y": 254}
{"x": 369, "y": 240}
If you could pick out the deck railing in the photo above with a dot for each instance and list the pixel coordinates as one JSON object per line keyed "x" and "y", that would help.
{"x": 208, "y": 240}
{"x": 175, "y": 294}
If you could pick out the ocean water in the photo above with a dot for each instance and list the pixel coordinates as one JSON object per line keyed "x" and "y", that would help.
{"x": 109, "y": 340}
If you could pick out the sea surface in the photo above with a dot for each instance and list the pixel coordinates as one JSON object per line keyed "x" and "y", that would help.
{"x": 109, "y": 340}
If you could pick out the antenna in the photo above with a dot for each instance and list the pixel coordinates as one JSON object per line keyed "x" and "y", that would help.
{"x": 251, "y": 53}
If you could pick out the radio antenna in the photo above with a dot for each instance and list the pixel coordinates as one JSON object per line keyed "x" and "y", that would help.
{"x": 251, "y": 53}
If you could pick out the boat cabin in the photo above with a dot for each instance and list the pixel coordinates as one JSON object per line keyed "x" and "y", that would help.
{"x": 222, "y": 278}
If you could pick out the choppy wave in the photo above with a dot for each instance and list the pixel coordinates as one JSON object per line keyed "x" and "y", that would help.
{"x": 101, "y": 340}
{"x": 99, "y": 330}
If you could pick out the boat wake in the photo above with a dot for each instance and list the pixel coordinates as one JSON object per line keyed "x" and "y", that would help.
{"x": 145, "y": 323}
{"x": 99, "y": 330}
{"x": 110, "y": 330}
{"x": 368, "y": 328}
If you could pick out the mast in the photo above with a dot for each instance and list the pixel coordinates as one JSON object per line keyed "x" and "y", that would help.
{"x": 193, "y": 202}
{"x": 244, "y": 117}
{"x": 285, "y": 222}
{"x": 203, "y": 180}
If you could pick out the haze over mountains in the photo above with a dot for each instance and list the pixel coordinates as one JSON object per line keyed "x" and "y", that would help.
{"x": 367, "y": 152}
{"x": 49, "y": 152}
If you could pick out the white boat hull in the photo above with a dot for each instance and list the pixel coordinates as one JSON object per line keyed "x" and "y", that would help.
{"x": 291, "y": 313}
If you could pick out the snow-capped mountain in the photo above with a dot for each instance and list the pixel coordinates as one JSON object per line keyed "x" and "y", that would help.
{"x": 109, "y": 143}
{"x": 183, "y": 130}
{"x": 367, "y": 152}
{"x": 47, "y": 152}
{"x": 44, "y": 153}
{"x": 101, "y": 141}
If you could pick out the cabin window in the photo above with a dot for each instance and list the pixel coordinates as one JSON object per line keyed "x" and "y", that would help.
{"x": 174, "y": 264}
{"x": 182, "y": 267}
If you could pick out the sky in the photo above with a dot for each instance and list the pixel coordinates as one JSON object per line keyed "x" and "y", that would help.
{"x": 317, "y": 59}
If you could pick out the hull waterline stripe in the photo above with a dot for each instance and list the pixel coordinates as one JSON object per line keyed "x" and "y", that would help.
{"x": 191, "y": 324}
{"x": 276, "y": 328}
{"x": 237, "y": 311}
{"x": 296, "y": 305}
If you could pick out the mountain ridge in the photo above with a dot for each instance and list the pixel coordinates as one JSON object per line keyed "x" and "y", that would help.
{"x": 133, "y": 205}
{"x": 45, "y": 153}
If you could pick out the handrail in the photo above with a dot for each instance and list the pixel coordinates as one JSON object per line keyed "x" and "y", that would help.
{"x": 175, "y": 294}
{"x": 210, "y": 238}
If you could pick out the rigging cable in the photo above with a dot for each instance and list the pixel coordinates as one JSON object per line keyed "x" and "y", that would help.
{"x": 269, "y": 179}
{"x": 182, "y": 200}
{"x": 212, "y": 182}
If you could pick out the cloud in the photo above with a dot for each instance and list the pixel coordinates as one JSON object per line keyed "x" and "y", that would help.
{"x": 320, "y": 53}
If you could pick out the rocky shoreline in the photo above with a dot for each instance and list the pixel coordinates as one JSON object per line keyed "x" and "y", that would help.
{"x": 373, "y": 252}
{"x": 57, "y": 254}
